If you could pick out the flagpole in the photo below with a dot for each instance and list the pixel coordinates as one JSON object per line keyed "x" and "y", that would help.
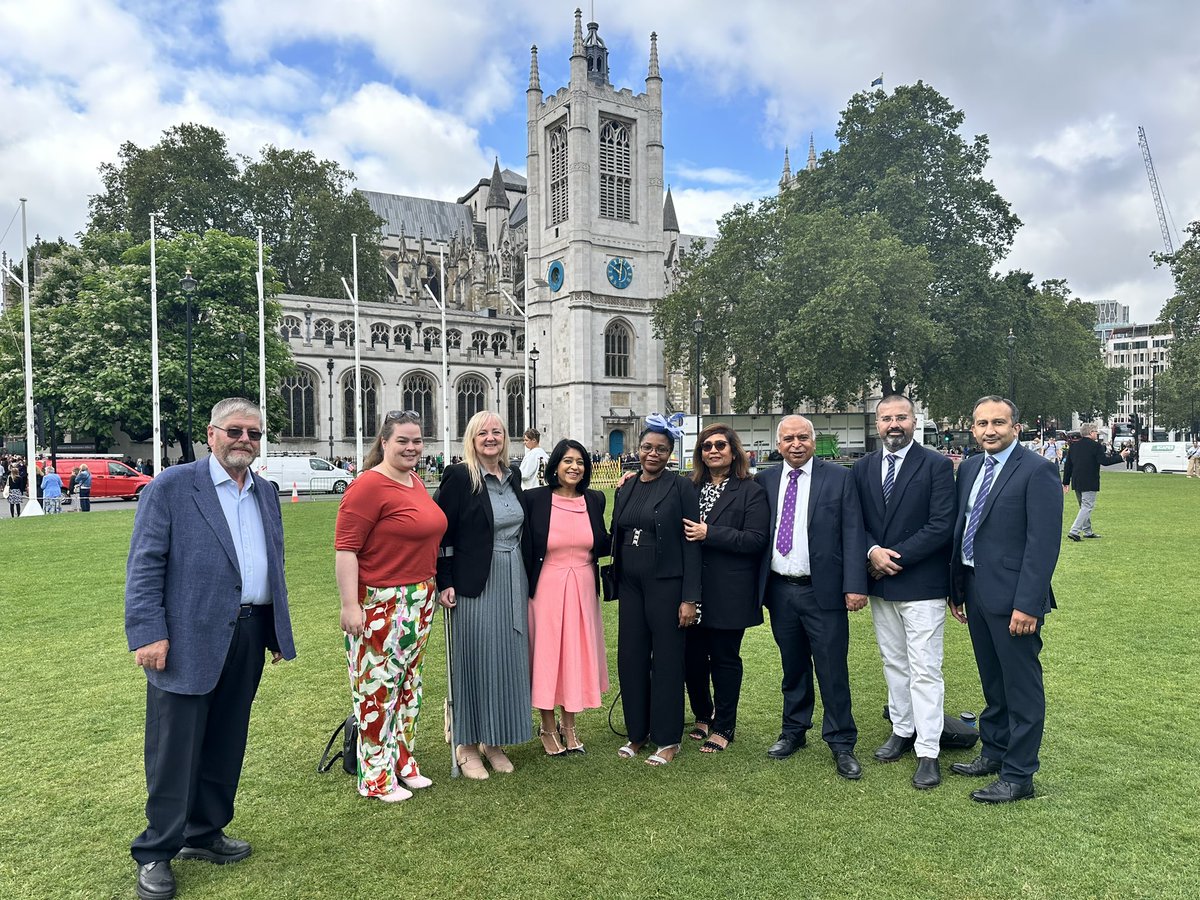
{"x": 445, "y": 360}
{"x": 358, "y": 410}
{"x": 155, "y": 394}
{"x": 262, "y": 347}
{"x": 32, "y": 508}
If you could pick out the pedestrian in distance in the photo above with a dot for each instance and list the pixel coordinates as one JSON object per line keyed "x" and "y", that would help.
{"x": 52, "y": 490}
{"x": 1082, "y": 470}
{"x": 83, "y": 481}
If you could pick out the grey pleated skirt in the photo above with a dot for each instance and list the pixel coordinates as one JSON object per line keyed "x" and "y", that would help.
{"x": 490, "y": 667}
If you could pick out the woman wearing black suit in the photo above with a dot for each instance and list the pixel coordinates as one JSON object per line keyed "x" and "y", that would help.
{"x": 733, "y": 529}
{"x": 658, "y": 574}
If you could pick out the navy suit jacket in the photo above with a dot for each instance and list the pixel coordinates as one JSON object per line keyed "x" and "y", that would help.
{"x": 1020, "y": 531}
{"x": 918, "y": 523}
{"x": 182, "y": 580}
{"x": 836, "y": 543}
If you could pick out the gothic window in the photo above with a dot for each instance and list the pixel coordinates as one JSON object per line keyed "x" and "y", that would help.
{"x": 290, "y": 328}
{"x": 370, "y": 404}
{"x": 514, "y": 401}
{"x": 615, "y": 172}
{"x": 380, "y": 334}
{"x": 479, "y": 341}
{"x": 616, "y": 350}
{"x": 402, "y": 337}
{"x": 346, "y": 332}
{"x": 300, "y": 400}
{"x": 323, "y": 330}
{"x": 520, "y": 343}
{"x": 499, "y": 343}
{"x": 416, "y": 393}
{"x": 453, "y": 339}
{"x": 430, "y": 338}
{"x": 559, "y": 202}
{"x": 472, "y": 391}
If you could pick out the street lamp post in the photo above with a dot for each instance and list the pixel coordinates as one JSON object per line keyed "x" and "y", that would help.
{"x": 188, "y": 283}
{"x": 498, "y": 373}
{"x": 242, "y": 355}
{"x": 1153, "y": 399}
{"x": 1012, "y": 383}
{"x": 534, "y": 356}
{"x": 329, "y": 368}
{"x": 698, "y": 328}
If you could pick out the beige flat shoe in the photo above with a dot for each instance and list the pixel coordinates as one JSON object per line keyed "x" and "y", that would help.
{"x": 496, "y": 758}
{"x": 470, "y": 763}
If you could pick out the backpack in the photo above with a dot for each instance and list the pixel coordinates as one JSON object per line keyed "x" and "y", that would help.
{"x": 349, "y": 752}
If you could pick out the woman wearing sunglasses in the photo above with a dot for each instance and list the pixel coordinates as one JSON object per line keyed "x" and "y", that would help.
{"x": 732, "y": 530}
{"x": 658, "y": 583}
{"x": 386, "y": 541}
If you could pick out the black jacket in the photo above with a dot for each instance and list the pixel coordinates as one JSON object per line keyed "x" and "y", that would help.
{"x": 1084, "y": 459}
{"x": 674, "y": 555}
{"x": 465, "y": 558}
{"x": 537, "y": 526}
{"x": 739, "y": 526}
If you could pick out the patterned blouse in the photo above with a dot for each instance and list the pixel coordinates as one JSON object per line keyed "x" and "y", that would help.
{"x": 709, "y": 495}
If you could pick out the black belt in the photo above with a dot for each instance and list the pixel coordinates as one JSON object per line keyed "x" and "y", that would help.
{"x": 637, "y": 537}
{"x": 801, "y": 580}
{"x": 246, "y": 610}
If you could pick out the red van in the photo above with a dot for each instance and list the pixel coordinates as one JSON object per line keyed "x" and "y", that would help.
{"x": 110, "y": 477}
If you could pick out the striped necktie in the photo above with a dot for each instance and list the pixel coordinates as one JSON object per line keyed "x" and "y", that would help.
{"x": 889, "y": 480}
{"x": 989, "y": 470}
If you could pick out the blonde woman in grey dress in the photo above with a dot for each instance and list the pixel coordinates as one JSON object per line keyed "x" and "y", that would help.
{"x": 484, "y": 586}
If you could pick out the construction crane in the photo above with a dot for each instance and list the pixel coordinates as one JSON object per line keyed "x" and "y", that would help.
{"x": 1158, "y": 200}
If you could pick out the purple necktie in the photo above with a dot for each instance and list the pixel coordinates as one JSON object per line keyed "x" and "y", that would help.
{"x": 968, "y": 545}
{"x": 787, "y": 517}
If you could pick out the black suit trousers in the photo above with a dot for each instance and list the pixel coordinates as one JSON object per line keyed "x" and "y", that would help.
{"x": 811, "y": 637}
{"x": 1011, "y": 674}
{"x": 714, "y": 654}
{"x": 195, "y": 744}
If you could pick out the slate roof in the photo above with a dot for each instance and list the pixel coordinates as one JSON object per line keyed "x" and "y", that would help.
{"x": 440, "y": 220}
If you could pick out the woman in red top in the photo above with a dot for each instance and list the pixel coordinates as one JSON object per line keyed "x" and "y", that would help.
{"x": 387, "y": 537}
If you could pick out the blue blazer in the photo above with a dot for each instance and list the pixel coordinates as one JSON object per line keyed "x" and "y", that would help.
{"x": 837, "y": 545}
{"x": 918, "y": 523}
{"x": 1020, "y": 531}
{"x": 182, "y": 581}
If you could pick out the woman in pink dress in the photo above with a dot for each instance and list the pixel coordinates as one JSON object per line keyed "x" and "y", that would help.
{"x": 566, "y": 636}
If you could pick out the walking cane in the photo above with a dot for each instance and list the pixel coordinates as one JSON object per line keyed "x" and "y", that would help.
{"x": 449, "y": 708}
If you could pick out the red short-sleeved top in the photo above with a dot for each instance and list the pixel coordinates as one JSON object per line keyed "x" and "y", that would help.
{"x": 394, "y": 530}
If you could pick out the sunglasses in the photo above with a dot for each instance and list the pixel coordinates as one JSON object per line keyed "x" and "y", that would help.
{"x": 714, "y": 445}
{"x": 236, "y": 433}
{"x": 396, "y": 414}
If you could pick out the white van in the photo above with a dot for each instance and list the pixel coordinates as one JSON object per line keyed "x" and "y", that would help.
{"x": 310, "y": 474}
{"x": 1163, "y": 456}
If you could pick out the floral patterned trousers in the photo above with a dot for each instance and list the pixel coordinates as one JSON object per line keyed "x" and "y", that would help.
{"x": 385, "y": 682}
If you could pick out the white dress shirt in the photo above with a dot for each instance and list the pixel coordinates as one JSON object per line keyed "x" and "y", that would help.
{"x": 899, "y": 454}
{"x": 1001, "y": 458}
{"x": 796, "y": 562}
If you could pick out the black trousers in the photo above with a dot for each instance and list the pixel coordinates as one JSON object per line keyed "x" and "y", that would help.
{"x": 1010, "y": 671}
{"x": 714, "y": 655}
{"x": 811, "y": 637}
{"x": 650, "y": 650}
{"x": 195, "y": 744}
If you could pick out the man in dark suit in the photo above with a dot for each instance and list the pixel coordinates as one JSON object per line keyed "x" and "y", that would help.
{"x": 907, "y": 496}
{"x": 1084, "y": 459}
{"x": 1007, "y": 532}
{"x": 812, "y": 572}
{"x": 204, "y": 600}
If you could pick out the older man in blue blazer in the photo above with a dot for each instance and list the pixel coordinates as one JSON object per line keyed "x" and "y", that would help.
{"x": 1007, "y": 531}
{"x": 812, "y": 572}
{"x": 205, "y": 599}
{"x": 907, "y": 495}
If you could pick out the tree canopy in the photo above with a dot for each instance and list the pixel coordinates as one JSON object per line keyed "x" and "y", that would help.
{"x": 1173, "y": 391}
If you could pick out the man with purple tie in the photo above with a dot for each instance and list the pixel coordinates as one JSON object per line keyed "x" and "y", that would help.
{"x": 1007, "y": 532}
{"x": 812, "y": 572}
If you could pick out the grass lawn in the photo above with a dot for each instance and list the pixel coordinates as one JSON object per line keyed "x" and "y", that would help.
{"x": 1116, "y": 814}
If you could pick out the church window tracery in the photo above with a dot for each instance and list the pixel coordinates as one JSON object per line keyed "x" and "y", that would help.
{"x": 472, "y": 392}
{"x": 479, "y": 341}
{"x": 370, "y": 403}
{"x": 417, "y": 393}
{"x": 617, "y": 341}
{"x": 559, "y": 201}
{"x": 453, "y": 339}
{"x": 616, "y": 183}
{"x": 300, "y": 400}
{"x": 323, "y": 330}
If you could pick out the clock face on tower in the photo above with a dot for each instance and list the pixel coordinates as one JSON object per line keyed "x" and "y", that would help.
{"x": 620, "y": 272}
{"x": 554, "y": 275}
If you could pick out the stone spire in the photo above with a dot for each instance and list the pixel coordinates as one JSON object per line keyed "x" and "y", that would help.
{"x": 670, "y": 222}
{"x": 577, "y": 45}
{"x": 497, "y": 197}
{"x": 786, "y": 178}
{"x": 812, "y": 153}
{"x": 535, "y": 83}
{"x": 653, "y": 71}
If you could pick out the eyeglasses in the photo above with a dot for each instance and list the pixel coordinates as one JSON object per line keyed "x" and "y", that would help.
{"x": 402, "y": 414}
{"x": 714, "y": 445}
{"x": 655, "y": 450}
{"x": 236, "y": 433}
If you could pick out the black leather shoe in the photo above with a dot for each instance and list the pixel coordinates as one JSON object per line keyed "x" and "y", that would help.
{"x": 1001, "y": 791}
{"x": 895, "y": 747}
{"x": 977, "y": 767}
{"x": 929, "y": 773}
{"x": 786, "y": 746}
{"x": 156, "y": 881}
{"x": 1073, "y": 536}
{"x": 847, "y": 765}
{"x": 1092, "y": 535}
{"x": 222, "y": 851}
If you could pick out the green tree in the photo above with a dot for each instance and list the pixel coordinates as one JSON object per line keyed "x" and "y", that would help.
{"x": 1174, "y": 390}
{"x": 91, "y": 337}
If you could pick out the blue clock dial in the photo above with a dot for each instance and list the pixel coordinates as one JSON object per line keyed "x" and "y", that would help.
{"x": 555, "y": 274}
{"x": 620, "y": 272}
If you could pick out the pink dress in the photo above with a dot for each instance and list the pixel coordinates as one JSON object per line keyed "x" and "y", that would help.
{"x": 566, "y": 636}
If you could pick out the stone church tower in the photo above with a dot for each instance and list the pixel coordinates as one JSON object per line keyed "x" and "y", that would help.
{"x": 596, "y": 249}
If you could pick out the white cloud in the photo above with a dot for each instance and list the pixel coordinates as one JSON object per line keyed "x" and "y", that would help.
{"x": 710, "y": 174}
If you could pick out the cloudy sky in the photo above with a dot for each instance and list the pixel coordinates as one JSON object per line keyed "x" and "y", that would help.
{"x": 417, "y": 97}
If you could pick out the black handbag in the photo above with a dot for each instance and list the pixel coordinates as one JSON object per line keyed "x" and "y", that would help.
{"x": 608, "y": 581}
{"x": 349, "y": 752}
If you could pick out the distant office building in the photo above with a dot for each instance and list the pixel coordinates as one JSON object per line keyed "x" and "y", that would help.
{"x": 1141, "y": 349}
{"x": 1110, "y": 315}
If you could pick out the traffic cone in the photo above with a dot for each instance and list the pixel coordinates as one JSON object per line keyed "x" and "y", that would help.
{"x": 295, "y": 493}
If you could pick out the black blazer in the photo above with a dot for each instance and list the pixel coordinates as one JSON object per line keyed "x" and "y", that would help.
{"x": 918, "y": 523}
{"x": 674, "y": 555}
{"x": 537, "y": 524}
{"x": 1084, "y": 459}
{"x": 465, "y": 558}
{"x": 739, "y": 526}
{"x": 1017, "y": 543}
{"x": 837, "y": 546}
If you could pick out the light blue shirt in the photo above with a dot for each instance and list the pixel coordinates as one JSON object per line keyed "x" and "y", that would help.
{"x": 51, "y": 486}
{"x": 1001, "y": 458}
{"x": 246, "y": 526}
